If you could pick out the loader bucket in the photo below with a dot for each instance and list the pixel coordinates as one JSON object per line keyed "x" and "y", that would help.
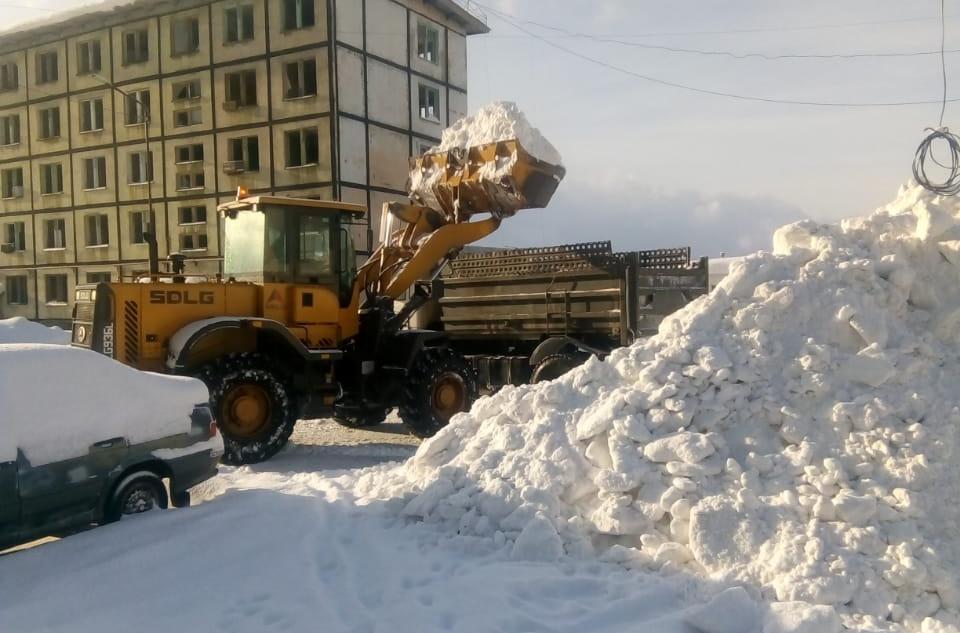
{"x": 500, "y": 178}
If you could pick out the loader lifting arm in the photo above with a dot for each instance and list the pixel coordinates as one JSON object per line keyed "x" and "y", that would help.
{"x": 418, "y": 239}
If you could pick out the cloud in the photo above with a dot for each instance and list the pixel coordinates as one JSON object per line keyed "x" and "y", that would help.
{"x": 636, "y": 217}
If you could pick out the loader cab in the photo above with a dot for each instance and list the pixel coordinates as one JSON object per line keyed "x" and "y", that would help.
{"x": 291, "y": 241}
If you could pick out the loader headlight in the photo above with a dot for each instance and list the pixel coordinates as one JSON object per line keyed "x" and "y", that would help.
{"x": 93, "y": 295}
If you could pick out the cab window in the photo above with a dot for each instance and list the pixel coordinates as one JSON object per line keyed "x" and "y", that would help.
{"x": 315, "y": 260}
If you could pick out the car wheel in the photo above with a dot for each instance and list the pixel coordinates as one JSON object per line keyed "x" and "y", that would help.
{"x": 137, "y": 493}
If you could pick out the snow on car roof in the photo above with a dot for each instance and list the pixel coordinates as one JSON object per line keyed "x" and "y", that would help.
{"x": 58, "y": 400}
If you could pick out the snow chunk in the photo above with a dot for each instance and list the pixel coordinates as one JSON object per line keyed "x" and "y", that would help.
{"x": 730, "y": 611}
{"x": 538, "y": 541}
{"x": 686, "y": 447}
{"x": 801, "y": 617}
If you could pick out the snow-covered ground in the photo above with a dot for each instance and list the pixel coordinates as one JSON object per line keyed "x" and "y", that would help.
{"x": 284, "y": 546}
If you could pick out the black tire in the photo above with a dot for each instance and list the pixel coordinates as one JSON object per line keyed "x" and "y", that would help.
{"x": 253, "y": 440}
{"x": 554, "y": 366}
{"x": 360, "y": 421}
{"x": 436, "y": 371}
{"x": 138, "y": 492}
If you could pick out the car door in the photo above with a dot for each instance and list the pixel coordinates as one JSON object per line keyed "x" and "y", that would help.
{"x": 67, "y": 493}
{"x": 9, "y": 502}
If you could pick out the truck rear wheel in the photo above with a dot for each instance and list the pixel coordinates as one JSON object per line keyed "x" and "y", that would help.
{"x": 440, "y": 384}
{"x": 253, "y": 404}
{"x": 554, "y": 366}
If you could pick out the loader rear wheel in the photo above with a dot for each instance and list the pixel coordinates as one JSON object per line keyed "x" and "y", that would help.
{"x": 440, "y": 384}
{"x": 553, "y": 366}
{"x": 254, "y": 406}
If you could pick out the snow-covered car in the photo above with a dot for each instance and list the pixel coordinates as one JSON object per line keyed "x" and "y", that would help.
{"x": 84, "y": 439}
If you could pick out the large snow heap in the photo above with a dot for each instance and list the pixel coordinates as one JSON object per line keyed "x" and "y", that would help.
{"x": 795, "y": 431}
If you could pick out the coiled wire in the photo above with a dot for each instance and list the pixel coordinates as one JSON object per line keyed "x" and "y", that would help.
{"x": 949, "y": 186}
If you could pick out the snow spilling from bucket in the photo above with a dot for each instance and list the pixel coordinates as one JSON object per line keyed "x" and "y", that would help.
{"x": 498, "y": 121}
{"x": 794, "y": 432}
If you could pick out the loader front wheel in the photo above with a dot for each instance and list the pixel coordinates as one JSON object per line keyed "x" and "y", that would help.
{"x": 440, "y": 384}
{"x": 254, "y": 406}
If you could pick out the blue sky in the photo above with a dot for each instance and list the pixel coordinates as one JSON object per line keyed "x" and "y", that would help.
{"x": 651, "y": 166}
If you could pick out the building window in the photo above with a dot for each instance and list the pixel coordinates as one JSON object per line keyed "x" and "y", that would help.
{"x": 138, "y": 227}
{"x": 49, "y": 123}
{"x": 11, "y": 181}
{"x": 137, "y": 107}
{"x": 241, "y": 89}
{"x": 95, "y": 173}
{"x": 302, "y": 147}
{"x": 422, "y": 147}
{"x": 188, "y": 117}
{"x": 10, "y": 129}
{"x": 428, "y": 42}
{"x": 429, "y": 103}
{"x": 15, "y": 237}
{"x": 98, "y": 230}
{"x": 51, "y": 178}
{"x": 98, "y": 278}
{"x": 189, "y": 153}
{"x": 297, "y": 14}
{"x": 88, "y": 57}
{"x": 185, "y": 36}
{"x": 192, "y": 215}
{"x": 300, "y": 79}
{"x": 141, "y": 168}
{"x": 55, "y": 233}
{"x": 193, "y": 242}
{"x": 136, "y": 47}
{"x": 188, "y": 181}
{"x": 238, "y": 24}
{"x": 91, "y": 115}
{"x": 47, "y": 67}
{"x": 186, "y": 90}
{"x": 17, "y": 290}
{"x": 9, "y": 76}
{"x": 56, "y": 289}
{"x": 244, "y": 153}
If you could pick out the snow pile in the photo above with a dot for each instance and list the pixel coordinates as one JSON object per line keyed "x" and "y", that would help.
{"x": 498, "y": 121}
{"x": 21, "y": 330}
{"x": 795, "y": 431}
{"x": 57, "y": 400}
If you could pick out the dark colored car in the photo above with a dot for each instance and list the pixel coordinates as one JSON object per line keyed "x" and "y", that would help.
{"x": 115, "y": 478}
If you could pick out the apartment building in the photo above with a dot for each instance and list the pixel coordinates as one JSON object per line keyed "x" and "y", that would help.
{"x": 171, "y": 105}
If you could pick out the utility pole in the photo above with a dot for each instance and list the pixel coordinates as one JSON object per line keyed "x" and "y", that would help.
{"x": 151, "y": 234}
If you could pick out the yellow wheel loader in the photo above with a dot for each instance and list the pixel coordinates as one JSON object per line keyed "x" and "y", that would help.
{"x": 293, "y": 328}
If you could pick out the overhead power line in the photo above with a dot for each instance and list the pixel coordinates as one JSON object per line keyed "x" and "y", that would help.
{"x": 768, "y": 29}
{"x": 603, "y": 39}
{"x": 717, "y": 93}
